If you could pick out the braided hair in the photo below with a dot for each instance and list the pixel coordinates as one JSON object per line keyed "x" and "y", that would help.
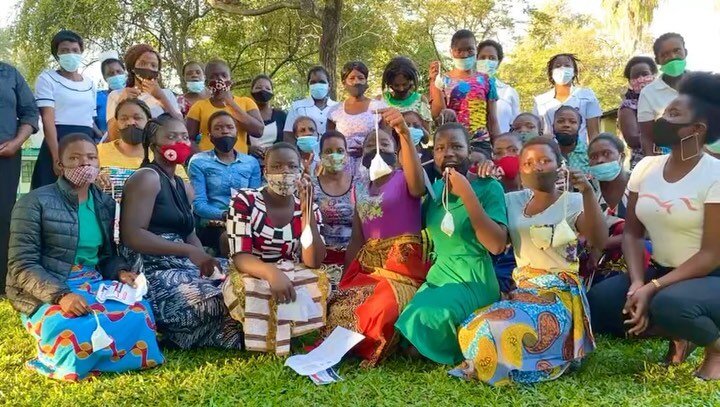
{"x": 150, "y": 132}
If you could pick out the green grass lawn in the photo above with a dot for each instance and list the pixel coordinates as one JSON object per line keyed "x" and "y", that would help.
{"x": 618, "y": 374}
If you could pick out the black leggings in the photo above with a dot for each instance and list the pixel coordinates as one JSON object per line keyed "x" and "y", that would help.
{"x": 687, "y": 310}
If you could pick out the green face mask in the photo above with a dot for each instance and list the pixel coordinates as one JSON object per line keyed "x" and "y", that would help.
{"x": 674, "y": 68}
{"x": 713, "y": 147}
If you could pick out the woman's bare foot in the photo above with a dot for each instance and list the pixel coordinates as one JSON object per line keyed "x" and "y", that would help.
{"x": 678, "y": 352}
{"x": 710, "y": 367}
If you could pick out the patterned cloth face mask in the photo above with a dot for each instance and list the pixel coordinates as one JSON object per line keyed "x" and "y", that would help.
{"x": 282, "y": 184}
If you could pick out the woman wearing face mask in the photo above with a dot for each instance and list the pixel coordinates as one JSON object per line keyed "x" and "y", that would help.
{"x": 194, "y": 77}
{"x": 67, "y": 105}
{"x": 113, "y": 72}
{"x": 466, "y": 225}
{"x": 261, "y": 89}
{"x": 471, "y": 94}
{"x": 316, "y": 106}
{"x": 508, "y": 341}
{"x": 119, "y": 159}
{"x": 399, "y": 82}
{"x": 527, "y": 126}
{"x": 332, "y": 195}
{"x": 639, "y": 71}
{"x": 355, "y": 117}
{"x": 670, "y": 54}
{"x": 419, "y": 134}
{"x": 157, "y": 231}
{"x": 385, "y": 254}
{"x": 490, "y": 56}
{"x": 214, "y": 174}
{"x": 607, "y": 158}
{"x": 675, "y": 200}
{"x": 567, "y": 121}
{"x": 504, "y": 166}
{"x": 275, "y": 243}
{"x": 563, "y": 74}
{"x": 143, "y": 82}
{"x": 69, "y": 223}
{"x": 307, "y": 141}
{"x": 243, "y": 109}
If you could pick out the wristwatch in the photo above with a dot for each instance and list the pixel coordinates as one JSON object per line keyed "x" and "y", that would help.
{"x": 656, "y": 283}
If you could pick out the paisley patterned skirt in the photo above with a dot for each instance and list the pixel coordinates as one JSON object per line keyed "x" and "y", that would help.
{"x": 533, "y": 336}
{"x": 64, "y": 345}
{"x": 190, "y": 310}
{"x": 373, "y": 292}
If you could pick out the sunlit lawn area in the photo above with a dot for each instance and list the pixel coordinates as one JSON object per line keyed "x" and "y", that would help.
{"x": 618, "y": 374}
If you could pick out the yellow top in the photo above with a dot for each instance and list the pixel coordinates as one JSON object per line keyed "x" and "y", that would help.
{"x": 110, "y": 156}
{"x": 203, "y": 109}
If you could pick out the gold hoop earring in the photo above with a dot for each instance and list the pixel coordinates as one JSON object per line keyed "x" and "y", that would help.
{"x": 682, "y": 147}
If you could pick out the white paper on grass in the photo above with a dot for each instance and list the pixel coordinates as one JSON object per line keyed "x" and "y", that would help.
{"x": 327, "y": 355}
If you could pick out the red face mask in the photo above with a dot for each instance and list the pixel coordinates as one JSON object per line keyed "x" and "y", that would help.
{"x": 510, "y": 165}
{"x": 176, "y": 153}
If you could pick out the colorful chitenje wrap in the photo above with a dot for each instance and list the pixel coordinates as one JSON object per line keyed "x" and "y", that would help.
{"x": 375, "y": 288}
{"x": 250, "y": 302}
{"x": 535, "y": 335}
{"x": 64, "y": 345}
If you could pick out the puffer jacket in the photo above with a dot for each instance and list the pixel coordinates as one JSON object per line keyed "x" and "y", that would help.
{"x": 43, "y": 244}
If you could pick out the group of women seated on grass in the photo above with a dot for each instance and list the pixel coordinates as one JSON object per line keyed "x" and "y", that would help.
{"x": 527, "y": 244}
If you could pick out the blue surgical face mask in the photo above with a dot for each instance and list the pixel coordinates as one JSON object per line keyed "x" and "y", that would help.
{"x": 487, "y": 66}
{"x": 70, "y": 62}
{"x": 307, "y": 144}
{"x": 465, "y": 64}
{"x": 606, "y": 171}
{"x": 196, "y": 86}
{"x": 416, "y": 135}
{"x": 319, "y": 91}
{"x": 117, "y": 82}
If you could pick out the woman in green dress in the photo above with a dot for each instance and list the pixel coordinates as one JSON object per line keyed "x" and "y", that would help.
{"x": 466, "y": 224}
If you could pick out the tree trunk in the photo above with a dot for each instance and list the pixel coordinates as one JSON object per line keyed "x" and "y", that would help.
{"x": 330, "y": 39}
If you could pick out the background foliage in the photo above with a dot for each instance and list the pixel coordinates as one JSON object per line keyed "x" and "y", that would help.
{"x": 282, "y": 38}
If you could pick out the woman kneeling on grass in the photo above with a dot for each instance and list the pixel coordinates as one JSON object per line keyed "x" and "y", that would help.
{"x": 462, "y": 278}
{"x": 274, "y": 245}
{"x": 385, "y": 251}
{"x": 544, "y": 327}
{"x": 674, "y": 199}
{"x": 158, "y": 232}
{"x": 61, "y": 252}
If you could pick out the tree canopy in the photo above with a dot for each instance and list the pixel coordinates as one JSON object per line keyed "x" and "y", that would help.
{"x": 285, "y": 38}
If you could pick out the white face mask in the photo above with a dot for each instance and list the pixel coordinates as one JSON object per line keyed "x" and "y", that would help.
{"x": 306, "y": 238}
{"x": 563, "y": 75}
{"x": 378, "y": 167}
{"x": 99, "y": 338}
{"x": 558, "y": 235}
{"x": 447, "y": 225}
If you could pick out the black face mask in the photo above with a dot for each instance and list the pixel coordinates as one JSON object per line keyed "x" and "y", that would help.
{"x": 462, "y": 167}
{"x": 539, "y": 181}
{"x": 389, "y": 158}
{"x": 356, "y": 90}
{"x": 223, "y": 144}
{"x": 146, "y": 74}
{"x": 665, "y": 133}
{"x": 401, "y": 95}
{"x": 132, "y": 135}
{"x": 262, "y": 96}
{"x": 566, "y": 140}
